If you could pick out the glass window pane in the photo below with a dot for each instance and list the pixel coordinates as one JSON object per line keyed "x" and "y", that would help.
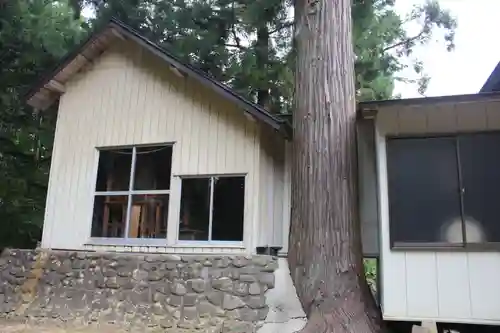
{"x": 148, "y": 216}
{"x": 228, "y": 208}
{"x": 424, "y": 200}
{"x": 153, "y": 168}
{"x": 480, "y": 162}
{"x": 195, "y": 209}
{"x": 110, "y": 214}
{"x": 113, "y": 173}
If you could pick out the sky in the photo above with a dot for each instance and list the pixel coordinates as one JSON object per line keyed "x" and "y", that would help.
{"x": 477, "y": 51}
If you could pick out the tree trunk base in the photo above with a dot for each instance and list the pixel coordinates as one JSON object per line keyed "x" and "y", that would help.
{"x": 348, "y": 312}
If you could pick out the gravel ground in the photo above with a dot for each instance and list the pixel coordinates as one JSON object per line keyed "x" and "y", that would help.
{"x": 7, "y": 327}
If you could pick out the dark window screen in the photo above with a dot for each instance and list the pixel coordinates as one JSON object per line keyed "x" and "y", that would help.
{"x": 423, "y": 188}
{"x": 228, "y": 210}
{"x": 195, "y": 209}
{"x": 212, "y": 214}
{"x": 480, "y": 163}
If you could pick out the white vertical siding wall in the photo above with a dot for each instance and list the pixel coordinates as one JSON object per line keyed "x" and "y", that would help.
{"x": 128, "y": 97}
{"x": 287, "y": 196}
{"x": 441, "y": 286}
{"x": 272, "y": 185}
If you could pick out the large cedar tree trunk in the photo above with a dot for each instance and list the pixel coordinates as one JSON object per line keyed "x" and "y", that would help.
{"x": 325, "y": 247}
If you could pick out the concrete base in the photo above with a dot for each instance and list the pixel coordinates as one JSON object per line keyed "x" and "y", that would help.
{"x": 285, "y": 311}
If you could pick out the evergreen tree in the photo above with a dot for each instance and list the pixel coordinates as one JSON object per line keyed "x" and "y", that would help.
{"x": 383, "y": 46}
{"x": 248, "y": 43}
{"x": 34, "y": 35}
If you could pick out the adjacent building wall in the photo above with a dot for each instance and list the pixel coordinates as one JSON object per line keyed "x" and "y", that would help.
{"x": 426, "y": 285}
{"x": 367, "y": 188}
{"x": 129, "y": 97}
{"x": 272, "y": 184}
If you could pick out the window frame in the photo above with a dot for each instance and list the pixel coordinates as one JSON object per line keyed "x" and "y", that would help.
{"x": 126, "y": 240}
{"x": 209, "y": 242}
{"x": 464, "y": 246}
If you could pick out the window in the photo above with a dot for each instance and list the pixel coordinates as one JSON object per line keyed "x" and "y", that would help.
{"x": 132, "y": 193}
{"x": 444, "y": 190}
{"x": 212, "y": 209}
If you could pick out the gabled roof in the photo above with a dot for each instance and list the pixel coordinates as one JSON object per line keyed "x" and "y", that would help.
{"x": 493, "y": 81}
{"x": 48, "y": 89}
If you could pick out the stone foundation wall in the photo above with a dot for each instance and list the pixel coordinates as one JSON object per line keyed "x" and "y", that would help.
{"x": 166, "y": 292}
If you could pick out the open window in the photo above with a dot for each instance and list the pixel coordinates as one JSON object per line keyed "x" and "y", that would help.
{"x": 443, "y": 191}
{"x": 212, "y": 209}
{"x": 132, "y": 193}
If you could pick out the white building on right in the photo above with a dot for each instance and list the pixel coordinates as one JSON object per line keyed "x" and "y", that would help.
{"x": 430, "y": 182}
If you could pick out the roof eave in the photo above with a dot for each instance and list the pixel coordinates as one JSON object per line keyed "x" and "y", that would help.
{"x": 367, "y": 109}
{"x": 34, "y": 98}
{"x": 252, "y": 108}
{"x": 47, "y": 89}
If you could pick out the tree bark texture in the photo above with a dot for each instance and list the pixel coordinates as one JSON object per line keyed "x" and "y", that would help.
{"x": 325, "y": 245}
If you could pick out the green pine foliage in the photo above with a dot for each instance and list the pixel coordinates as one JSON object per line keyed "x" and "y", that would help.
{"x": 248, "y": 44}
{"x": 33, "y": 35}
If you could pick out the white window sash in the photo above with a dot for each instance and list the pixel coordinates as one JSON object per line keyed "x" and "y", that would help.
{"x": 135, "y": 192}
{"x": 210, "y": 241}
{"x": 130, "y": 188}
{"x": 130, "y": 193}
{"x": 127, "y": 241}
{"x": 211, "y": 210}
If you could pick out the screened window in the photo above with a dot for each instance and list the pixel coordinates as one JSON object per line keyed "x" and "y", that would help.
{"x": 212, "y": 209}
{"x": 444, "y": 190}
{"x": 132, "y": 193}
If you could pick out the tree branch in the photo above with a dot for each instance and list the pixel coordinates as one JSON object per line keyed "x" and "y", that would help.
{"x": 403, "y": 42}
{"x": 236, "y": 46}
{"x": 282, "y": 26}
{"x": 233, "y": 29}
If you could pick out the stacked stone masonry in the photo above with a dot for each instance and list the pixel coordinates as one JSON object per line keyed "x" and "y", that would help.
{"x": 164, "y": 293}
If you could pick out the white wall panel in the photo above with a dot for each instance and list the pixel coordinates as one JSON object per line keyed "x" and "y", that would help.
{"x": 484, "y": 270}
{"x": 421, "y": 272}
{"x": 453, "y": 285}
